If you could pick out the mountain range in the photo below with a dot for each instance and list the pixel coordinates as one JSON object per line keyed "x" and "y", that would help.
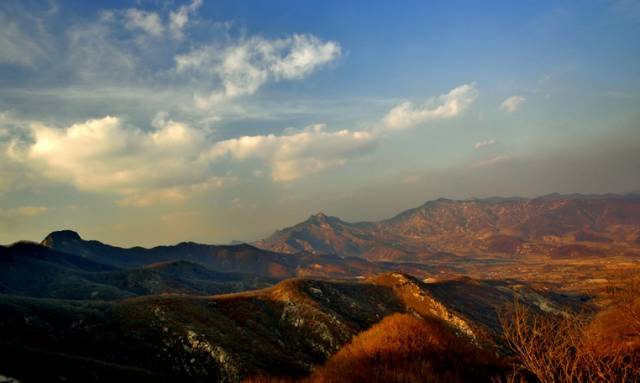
{"x": 554, "y": 225}
{"x": 283, "y": 306}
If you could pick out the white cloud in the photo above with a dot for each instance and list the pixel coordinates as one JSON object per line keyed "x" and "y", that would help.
{"x": 151, "y": 22}
{"x": 147, "y": 21}
{"x": 178, "y": 19}
{"x": 490, "y": 161}
{"x": 297, "y": 154}
{"x": 171, "y": 161}
{"x": 241, "y": 69}
{"x": 512, "y": 103}
{"x": 452, "y": 104}
{"x": 125, "y": 56}
{"x": 485, "y": 143}
{"x": 103, "y": 155}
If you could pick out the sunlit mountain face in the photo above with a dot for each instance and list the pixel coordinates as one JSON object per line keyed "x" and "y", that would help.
{"x": 251, "y": 191}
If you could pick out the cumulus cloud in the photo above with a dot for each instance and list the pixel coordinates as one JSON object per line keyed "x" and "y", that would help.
{"x": 483, "y": 144}
{"x": 104, "y": 155}
{"x": 297, "y": 154}
{"x": 242, "y": 68}
{"x": 452, "y": 104}
{"x": 512, "y": 103}
{"x": 171, "y": 161}
{"x": 149, "y": 22}
{"x": 178, "y": 19}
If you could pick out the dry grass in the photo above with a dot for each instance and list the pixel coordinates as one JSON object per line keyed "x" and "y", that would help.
{"x": 577, "y": 347}
{"x": 405, "y": 348}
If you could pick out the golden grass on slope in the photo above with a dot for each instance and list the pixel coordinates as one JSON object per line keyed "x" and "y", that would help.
{"x": 404, "y": 348}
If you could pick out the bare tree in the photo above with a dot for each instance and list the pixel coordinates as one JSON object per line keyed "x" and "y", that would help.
{"x": 554, "y": 348}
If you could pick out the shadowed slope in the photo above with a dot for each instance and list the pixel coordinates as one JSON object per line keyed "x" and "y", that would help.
{"x": 283, "y": 330}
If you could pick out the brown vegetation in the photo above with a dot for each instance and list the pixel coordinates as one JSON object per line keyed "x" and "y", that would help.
{"x": 577, "y": 347}
{"x": 406, "y": 348}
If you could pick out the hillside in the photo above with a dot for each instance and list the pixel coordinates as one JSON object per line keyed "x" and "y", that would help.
{"x": 282, "y": 330}
{"x": 405, "y": 348}
{"x": 600, "y": 225}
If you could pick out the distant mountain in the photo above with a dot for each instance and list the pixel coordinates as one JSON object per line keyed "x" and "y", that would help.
{"x": 228, "y": 258}
{"x": 241, "y": 258}
{"x": 491, "y": 226}
{"x": 66, "y": 266}
{"x": 321, "y": 234}
{"x": 29, "y": 269}
{"x": 282, "y": 330}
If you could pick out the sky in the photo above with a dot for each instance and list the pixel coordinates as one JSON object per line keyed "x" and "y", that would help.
{"x": 153, "y": 122}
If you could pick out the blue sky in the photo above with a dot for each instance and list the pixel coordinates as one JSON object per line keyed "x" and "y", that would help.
{"x": 151, "y": 122}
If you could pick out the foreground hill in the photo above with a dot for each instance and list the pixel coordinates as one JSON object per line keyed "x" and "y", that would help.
{"x": 559, "y": 226}
{"x": 405, "y": 348}
{"x": 282, "y": 330}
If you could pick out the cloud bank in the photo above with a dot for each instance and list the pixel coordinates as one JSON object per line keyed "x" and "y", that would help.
{"x": 171, "y": 160}
{"x": 129, "y": 64}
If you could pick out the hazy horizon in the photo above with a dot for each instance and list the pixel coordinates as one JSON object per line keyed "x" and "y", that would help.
{"x": 147, "y": 123}
{"x": 309, "y": 215}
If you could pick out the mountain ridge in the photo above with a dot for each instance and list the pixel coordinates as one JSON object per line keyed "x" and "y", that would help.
{"x": 498, "y": 225}
{"x": 285, "y": 329}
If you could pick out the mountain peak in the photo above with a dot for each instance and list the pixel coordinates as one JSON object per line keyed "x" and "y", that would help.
{"x": 320, "y": 217}
{"x": 61, "y": 236}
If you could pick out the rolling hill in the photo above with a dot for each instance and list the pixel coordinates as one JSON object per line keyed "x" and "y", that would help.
{"x": 283, "y": 330}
